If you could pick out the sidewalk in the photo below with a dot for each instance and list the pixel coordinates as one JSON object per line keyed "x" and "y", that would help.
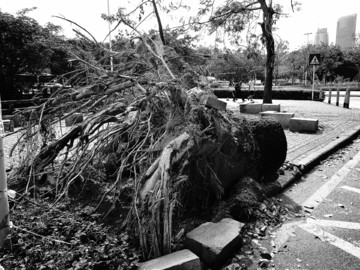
{"x": 337, "y": 126}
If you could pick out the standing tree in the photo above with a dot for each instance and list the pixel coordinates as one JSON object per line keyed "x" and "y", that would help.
{"x": 281, "y": 48}
{"x": 234, "y": 16}
{"x": 332, "y": 58}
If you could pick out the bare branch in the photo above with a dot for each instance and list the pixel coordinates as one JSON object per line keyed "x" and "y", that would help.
{"x": 70, "y": 21}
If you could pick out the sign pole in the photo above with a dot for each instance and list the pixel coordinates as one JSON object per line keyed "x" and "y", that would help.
{"x": 4, "y": 204}
{"x": 314, "y": 59}
{"x": 313, "y": 86}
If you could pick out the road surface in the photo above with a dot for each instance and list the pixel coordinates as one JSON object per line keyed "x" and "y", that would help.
{"x": 328, "y": 236}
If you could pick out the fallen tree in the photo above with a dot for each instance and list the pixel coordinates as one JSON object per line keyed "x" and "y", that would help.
{"x": 146, "y": 138}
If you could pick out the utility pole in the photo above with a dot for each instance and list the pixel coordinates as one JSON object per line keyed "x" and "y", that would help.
{"x": 111, "y": 58}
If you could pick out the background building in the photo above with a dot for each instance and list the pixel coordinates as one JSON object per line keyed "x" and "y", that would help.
{"x": 322, "y": 37}
{"x": 345, "y": 31}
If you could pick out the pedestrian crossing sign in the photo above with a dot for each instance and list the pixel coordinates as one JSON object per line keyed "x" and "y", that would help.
{"x": 314, "y": 59}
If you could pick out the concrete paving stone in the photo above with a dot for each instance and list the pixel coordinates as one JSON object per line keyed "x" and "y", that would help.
{"x": 270, "y": 107}
{"x": 303, "y": 124}
{"x": 180, "y": 260}
{"x": 214, "y": 243}
{"x": 282, "y": 117}
{"x": 250, "y": 108}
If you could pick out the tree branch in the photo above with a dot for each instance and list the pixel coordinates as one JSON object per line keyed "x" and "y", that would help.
{"x": 161, "y": 32}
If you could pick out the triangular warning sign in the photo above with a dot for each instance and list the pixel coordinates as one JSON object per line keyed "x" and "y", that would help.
{"x": 314, "y": 61}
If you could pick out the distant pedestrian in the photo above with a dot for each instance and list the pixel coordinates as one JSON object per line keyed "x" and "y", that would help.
{"x": 238, "y": 93}
{"x": 251, "y": 89}
{"x": 251, "y": 85}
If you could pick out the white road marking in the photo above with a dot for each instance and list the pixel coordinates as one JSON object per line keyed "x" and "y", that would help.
{"x": 351, "y": 189}
{"x": 330, "y": 185}
{"x": 331, "y": 239}
{"x": 284, "y": 232}
{"x": 313, "y": 225}
{"x": 335, "y": 223}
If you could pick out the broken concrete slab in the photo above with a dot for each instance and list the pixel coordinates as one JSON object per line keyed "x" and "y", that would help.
{"x": 213, "y": 102}
{"x": 281, "y": 117}
{"x": 214, "y": 243}
{"x": 303, "y": 125}
{"x": 180, "y": 260}
{"x": 74, "y": 119}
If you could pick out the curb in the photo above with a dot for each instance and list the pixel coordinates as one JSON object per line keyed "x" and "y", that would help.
{"x": 311, "y": 161}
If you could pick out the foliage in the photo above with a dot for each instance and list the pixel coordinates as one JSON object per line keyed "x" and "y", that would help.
{"x": 282, "y": 50}
{"x": 63, "y": 237}
{"x": 331, "y": 59}
{"x": 334, "y": 62}
{"x": 27, "y": 47}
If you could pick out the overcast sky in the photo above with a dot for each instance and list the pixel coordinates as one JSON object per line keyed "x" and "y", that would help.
{"x": 314, "y": 14}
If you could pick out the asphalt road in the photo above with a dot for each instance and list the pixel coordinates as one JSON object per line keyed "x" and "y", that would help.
{"x": 328, "y": 236}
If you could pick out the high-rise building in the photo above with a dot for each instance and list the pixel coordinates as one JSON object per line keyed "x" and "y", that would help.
{"x": 345, "y": 31}
{"x": 322, "y": 37}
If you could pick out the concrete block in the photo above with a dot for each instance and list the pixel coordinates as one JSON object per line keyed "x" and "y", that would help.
{"x": 214, "y": 243}
{"x": 250, "y": 108}
{"x": 213, "y": 102}
{"x": 180, "y": 260}
{"x": 282, "y": 118}
{"x": 270, "y": 107}
{"x": 74, "y": 119}
{"x": 8, "y": 125}
{"x": 304, "y": 124}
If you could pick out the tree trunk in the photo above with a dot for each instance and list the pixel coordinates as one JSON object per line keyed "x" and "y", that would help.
{"x": 266, "y": 27}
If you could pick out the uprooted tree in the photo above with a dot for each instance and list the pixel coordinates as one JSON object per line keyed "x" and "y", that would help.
{"x": 147, "y": 141}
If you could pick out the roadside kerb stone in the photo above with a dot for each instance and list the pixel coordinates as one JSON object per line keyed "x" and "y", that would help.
{"x": 180, "y": 260}
{"x": 214, "y": 243}
{"x": 315, "y": 157}
{"x": 282, "y": 117}
{"x": 303, "y": 124}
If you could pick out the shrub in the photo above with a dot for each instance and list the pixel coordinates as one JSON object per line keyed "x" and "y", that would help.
{"x": 295, "y": 94}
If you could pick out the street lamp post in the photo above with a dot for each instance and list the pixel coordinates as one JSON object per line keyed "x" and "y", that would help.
{"x": 307, "y": 34}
